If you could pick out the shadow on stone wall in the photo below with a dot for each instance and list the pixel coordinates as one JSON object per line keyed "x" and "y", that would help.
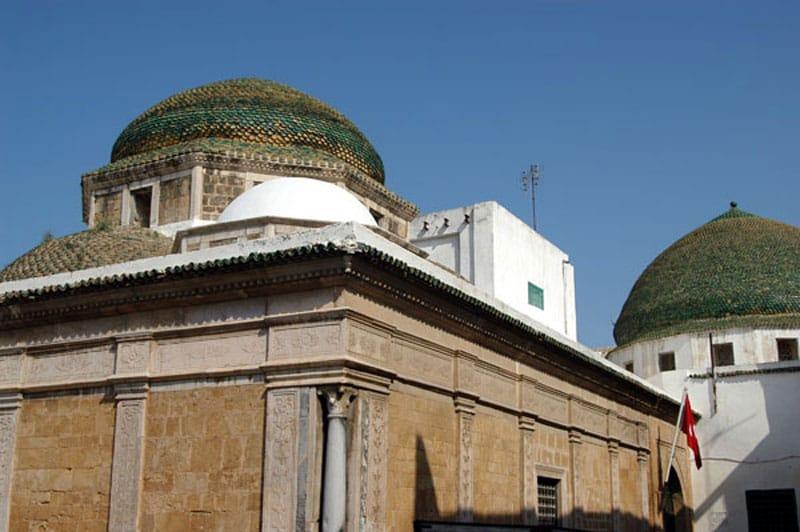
{"x": 428, "y": 517}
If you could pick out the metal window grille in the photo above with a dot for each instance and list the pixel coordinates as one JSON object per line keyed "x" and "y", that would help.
{"x": 548, "y": 500}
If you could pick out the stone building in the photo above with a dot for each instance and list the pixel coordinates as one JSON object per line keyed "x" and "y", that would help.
{"x": 718, "y": 313}
{"x": 245, "y": 338}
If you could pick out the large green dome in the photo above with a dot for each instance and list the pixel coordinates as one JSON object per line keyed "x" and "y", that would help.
{"x": 252, "y": 112}
{"x": 738, "y": 270}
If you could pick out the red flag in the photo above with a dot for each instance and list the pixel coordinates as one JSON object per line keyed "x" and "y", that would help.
{"x": 687, "y": 426}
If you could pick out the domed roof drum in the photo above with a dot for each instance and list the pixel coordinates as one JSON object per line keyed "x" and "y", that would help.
{"x": 738, "y": 270}
{"x": 250, "y": 111}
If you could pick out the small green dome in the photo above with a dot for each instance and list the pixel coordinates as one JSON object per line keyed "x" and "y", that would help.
{"x": 738, "y": 270}
{"x": 253, "y": 112}
{"x": 87, "y": 249}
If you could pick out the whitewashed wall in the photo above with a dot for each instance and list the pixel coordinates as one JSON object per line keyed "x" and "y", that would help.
{"x": 500, "y": 254}
{"x": 749, "y": 440}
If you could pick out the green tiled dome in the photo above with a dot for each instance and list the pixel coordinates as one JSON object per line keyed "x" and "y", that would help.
{"x": 87, "y": 249}
{"x": 738, "y": 270}
{"x": 253, "y": 112}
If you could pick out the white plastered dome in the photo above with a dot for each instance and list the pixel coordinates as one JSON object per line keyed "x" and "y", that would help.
{"x": 298, "y": 198}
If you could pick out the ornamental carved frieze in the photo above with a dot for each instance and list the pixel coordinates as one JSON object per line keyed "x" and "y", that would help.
{"x": 242, "y": 349}
{"x": 133, "y": 356}
{"x": 87, "y": 363}
{"x": 305, "y": 340}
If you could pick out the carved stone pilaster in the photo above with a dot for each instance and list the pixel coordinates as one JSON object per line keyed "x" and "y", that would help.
{"x": 576, "y": 472}
{"x": 280, "y": 499}
{"x": 613, "y": 459}
{"x": 465, "y": 412}
{"x": 126, "y": 469}
{"x": 9, "y": 411}
{"x": 367, "y": 482}
{"x": 528, "y": 490}
{"x": 644, "y": 483}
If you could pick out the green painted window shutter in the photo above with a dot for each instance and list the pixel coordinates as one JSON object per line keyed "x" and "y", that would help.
{"x": 535, "y": 296}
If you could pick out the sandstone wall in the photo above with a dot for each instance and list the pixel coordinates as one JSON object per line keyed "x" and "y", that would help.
{"x": 108, "y": 208}
{"x": 203, "y": 459}
{"x": 62, "y": 475}
{"x": 496, "y": 443}
{"x": 422, "y": 450}
{"x": 175, "y": 199}
{"x": 218, "y": 191}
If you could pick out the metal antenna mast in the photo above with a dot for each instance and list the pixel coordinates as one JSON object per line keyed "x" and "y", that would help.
{"x": 530, "y": 180}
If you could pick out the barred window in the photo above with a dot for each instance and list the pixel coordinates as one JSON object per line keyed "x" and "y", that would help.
{"x": 549, "y": 502}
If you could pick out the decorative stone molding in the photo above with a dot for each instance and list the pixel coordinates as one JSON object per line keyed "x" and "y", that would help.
{"x": 613, "y": 458}
{"x": 528, "y": 488}
{"x": 642, "y": 457}
{"x": 576, "y": 467}
{"x": 11, "y": 367}
{"x": 9, "y": 412}
{"x": 465, "y": 412}
{"x": 126, "y": 469}
{"x": 133, "y": 355}
{"x": 367, "y": 477}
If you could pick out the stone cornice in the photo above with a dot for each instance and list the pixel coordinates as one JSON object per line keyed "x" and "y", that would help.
{"x": 353, "y": 266}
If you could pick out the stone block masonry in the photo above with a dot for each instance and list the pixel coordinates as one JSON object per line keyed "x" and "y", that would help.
{"x": 219, "y": 189}
{"x": 202, "y": 467}
{"x": 62, "y": 476}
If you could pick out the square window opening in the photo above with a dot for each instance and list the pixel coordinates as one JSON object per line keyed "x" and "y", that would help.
{"x": 140, "y": 206}
{"x": 666, "y": 361}
{"x": 771, "y": 510}
{"x": 787, "y": 349}
{"x": 723, "y": 354}
{"x": 535, "y": 296}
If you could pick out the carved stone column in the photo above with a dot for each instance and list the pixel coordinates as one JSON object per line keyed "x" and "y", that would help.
{"x": 465, "y": 412}
{"x": 334, "y": 491}
{"x": 613, "y": 458}
{"x": 292, "y": 439}
{"x": 9, "y": 412}
{"x": 528, "y": 488}
{"x": 644, "y": 483}
{"x": 126, "y": 469}
{"x": 368, "y": 463}
{"x": 575, "y": 467}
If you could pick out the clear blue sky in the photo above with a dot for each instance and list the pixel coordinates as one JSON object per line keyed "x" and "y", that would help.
{"x": 649, "y": 117}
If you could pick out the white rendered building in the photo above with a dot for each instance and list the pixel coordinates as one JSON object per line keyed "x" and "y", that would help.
{"x": 502, "y": 255}
{"x": 728, "y": 290}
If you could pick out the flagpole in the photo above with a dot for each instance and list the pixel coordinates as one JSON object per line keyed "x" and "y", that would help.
{"x": 675, "y": 437}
